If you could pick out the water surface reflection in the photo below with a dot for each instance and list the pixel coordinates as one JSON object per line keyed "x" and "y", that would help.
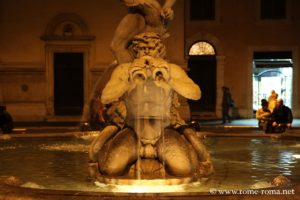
{"x": 61, "y": 163}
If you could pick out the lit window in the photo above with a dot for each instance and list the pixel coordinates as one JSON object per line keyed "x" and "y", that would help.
{"x": 202, "y": 48}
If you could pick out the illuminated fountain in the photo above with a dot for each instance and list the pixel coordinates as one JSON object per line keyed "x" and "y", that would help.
{"x": 146, "y": 147}
{"x": 146, "y": 138}
{"x": 146, "y": 141}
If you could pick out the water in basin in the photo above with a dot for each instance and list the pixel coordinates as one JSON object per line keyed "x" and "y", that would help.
{"x": 61, "y": 163}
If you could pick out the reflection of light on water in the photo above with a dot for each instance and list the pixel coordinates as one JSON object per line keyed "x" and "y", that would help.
{"x": 145, "y": 186}
{"x": 286, "y": 157}
{"x": 8, "y": 148}
{"x": 65, "y": 147}
{"x": 32, "y": 185}
{"x": 295, "y": 146}
{"x": 256, "y": 162}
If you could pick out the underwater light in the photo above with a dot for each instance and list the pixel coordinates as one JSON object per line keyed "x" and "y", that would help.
{"x": 148, "y": 188}
{"x": 144, "y": 186}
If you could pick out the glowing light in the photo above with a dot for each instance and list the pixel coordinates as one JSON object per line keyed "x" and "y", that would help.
{"x": 145, "y": 186}
{"x": 297, "y": 156}
{"x": 149, "y": 188}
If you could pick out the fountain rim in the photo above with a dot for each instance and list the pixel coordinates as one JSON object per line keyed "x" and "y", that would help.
{"x": 10, "y": 191}
{"x": 81, "y": 134}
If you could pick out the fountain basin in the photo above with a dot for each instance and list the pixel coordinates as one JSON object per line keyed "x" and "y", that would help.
{"x": 57, "y": 168}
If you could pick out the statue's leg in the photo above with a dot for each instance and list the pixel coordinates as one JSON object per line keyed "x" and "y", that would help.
{"x": 205, "y": 166}
{"x": 107, "y": 133}
{"x": 200, "y": 148}
{"x": 119, "y": 153}
{"x": 175, "y": 153}
{"x": 131, "y": 25}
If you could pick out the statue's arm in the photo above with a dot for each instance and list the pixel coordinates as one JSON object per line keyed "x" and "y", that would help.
{"x": 182, "y": 84}
{"x": 131, "y": 2}
{"x": 167, "y": 11}
{"x": 117, "y": 85}
{"x": 169, "y": 3}
{"x": 150, "y": 3}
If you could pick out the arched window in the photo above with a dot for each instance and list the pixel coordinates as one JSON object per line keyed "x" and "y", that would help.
{"x": 201, "y": 49}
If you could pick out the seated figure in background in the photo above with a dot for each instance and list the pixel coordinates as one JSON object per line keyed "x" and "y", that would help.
{"x": 272, "y": 99}
{"x": 263, "y": 115}
{"x": 281, "y": 118}
{"x": 6, "y": 121}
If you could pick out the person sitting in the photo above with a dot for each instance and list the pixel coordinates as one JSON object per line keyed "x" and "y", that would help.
{"x": 263, "y": 115}
{"x": 6, "y": 121}
{"x": 281, "y": 118}
{"x": 272, "y": 100}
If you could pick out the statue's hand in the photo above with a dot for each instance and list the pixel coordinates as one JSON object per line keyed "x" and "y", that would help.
{"x": 167, "y": 13}
{"x": 137, "y": 70}
{"x": 130, "y": 2}
{"x": 117, "y": 113}
{"x": 138, "y": 63}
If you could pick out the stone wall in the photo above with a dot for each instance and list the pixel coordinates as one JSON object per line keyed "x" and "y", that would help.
{"x": 26, "y": 65}
{"x": 32, "y": 31}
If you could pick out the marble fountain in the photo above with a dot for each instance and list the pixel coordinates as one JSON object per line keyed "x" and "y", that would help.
{"x": 145, "y": 150}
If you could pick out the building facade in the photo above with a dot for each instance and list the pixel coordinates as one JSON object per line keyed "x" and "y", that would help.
{"x": 53, "y": 52}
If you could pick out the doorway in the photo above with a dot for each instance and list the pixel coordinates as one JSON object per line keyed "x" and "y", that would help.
{"x": 68, "y": 83}
{"x": 202, "y": 70}
{"x": 203, "y": 73}
{"x": 272, "y": 71}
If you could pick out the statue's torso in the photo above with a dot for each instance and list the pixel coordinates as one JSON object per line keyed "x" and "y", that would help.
{"x": 148, "y": 108}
